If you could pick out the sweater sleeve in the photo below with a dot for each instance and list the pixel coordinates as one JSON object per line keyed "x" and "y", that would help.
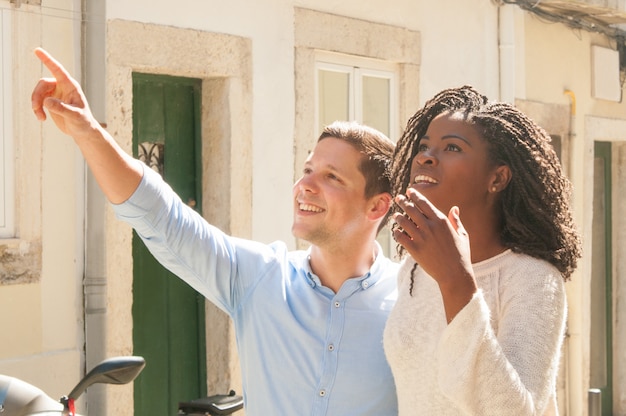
{"x": 511, "y": 371}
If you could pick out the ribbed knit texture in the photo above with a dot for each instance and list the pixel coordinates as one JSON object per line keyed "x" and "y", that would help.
{"x": 499, "y": 355}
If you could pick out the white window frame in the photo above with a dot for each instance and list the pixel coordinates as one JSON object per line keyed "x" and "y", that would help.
{"x": 358, "y": 67}
{"x": 7, "y": 172}
{"x": 342, "y": 69}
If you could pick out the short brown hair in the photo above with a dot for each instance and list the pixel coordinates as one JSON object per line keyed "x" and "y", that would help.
{"x": 377, "y": 150}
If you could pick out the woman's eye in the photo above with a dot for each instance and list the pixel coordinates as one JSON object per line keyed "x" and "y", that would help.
{"x": 422, "y": 148}
{"x": 453, "y": 148}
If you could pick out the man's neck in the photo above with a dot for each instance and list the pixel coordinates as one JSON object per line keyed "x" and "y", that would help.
{"x": 334, "y": 267}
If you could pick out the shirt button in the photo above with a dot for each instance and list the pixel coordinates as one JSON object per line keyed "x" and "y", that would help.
{"x": 337, "y": 304}
{"x": 322, "y": 393}
{"x": 365, "y": 285}
{"x": 331, "y": 347}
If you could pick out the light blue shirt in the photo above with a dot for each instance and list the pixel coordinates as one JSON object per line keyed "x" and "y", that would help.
{"x": 304, "y": 349}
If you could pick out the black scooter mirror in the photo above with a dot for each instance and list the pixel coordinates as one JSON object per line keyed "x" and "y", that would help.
{"x": 116, "y": 370}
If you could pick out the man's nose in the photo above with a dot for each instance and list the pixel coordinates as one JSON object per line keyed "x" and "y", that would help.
{"x": 306, "y": 183}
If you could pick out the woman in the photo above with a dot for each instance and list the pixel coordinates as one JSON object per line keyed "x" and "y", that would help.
{"x": 483, "y": 213}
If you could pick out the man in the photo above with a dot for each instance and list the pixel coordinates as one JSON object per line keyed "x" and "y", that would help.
{"x": 309, "y": 323}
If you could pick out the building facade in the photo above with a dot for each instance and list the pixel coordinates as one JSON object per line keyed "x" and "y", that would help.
{"x": 260, "y": 79}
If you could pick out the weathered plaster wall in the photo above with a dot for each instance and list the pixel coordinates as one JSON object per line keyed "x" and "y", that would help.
{"x": 40, "y": 278}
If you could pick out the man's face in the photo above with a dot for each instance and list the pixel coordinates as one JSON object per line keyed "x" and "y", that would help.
{"x": 329, "y": 199}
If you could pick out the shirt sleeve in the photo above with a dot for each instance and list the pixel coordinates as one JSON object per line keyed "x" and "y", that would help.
{"x": 220, "y": 267}
{"x": 513, "y": 371}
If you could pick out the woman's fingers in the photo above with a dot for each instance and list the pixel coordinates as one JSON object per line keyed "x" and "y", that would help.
{"x": 455, "y": 220}
{"x": 410, "y": 209}
{"x": 411, "y": 225}
{"x": 406, "y": 225}
{"x": 422, "y": 204}
{"x": 423, "y": 229}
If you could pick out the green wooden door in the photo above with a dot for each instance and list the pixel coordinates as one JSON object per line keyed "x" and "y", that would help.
{"x": 601, "y": 351}
{"x": 168, "y": 315}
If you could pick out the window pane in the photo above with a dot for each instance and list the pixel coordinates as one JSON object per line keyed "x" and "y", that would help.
{"x": 333, "y": 96}
{"x": 376, "y": 103}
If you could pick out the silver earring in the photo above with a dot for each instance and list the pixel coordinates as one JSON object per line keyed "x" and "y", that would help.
{"x": 494, "y": 188}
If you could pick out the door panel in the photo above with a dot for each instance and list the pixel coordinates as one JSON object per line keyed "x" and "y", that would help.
{"x": 168, "y": 315}
{"x": 601, "y": 363}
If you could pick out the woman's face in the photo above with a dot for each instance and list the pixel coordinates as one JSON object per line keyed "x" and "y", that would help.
{"x": 452, "y": 165}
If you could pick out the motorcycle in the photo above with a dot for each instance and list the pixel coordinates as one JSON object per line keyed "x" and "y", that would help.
{"x": 18, "y": 398}
{"x": 216, "y": 405}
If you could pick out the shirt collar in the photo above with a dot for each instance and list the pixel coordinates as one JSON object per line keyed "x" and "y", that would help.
{"x": 364, "y": 282}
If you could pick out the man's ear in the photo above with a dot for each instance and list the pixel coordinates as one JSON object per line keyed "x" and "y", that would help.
{"x": 500, "y": 178}
{"x": 380, "y": 206}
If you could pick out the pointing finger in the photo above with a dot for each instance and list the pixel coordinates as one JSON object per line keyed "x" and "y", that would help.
{"x": 57, "y": 70}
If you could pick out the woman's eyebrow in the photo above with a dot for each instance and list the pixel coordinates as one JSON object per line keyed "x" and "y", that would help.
{"x": 449, "y": 136}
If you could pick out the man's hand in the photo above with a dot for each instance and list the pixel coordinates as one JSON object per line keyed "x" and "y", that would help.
{"x": 64, "y": 99}
{"x": 117, "y": 173}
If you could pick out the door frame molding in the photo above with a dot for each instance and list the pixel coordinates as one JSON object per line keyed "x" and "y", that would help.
{"x": 224, "y": 63}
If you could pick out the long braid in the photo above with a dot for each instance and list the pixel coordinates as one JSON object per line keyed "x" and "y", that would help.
{"x": 536, "y": 217}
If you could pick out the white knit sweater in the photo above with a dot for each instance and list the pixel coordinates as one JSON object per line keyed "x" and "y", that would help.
{"x": 498, "y": 356}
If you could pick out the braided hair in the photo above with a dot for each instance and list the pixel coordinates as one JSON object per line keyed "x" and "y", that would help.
{"x": 535, "y": 210}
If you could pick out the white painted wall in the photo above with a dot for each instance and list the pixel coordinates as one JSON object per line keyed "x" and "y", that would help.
{"x": 458, "y": 38}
